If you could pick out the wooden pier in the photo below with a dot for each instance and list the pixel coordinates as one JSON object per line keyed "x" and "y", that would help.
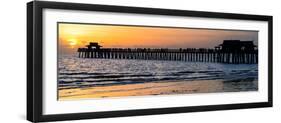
{"x": 231, "y": 52}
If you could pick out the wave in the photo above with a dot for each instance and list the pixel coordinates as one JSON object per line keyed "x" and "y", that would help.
{"x": 78, "y": 80}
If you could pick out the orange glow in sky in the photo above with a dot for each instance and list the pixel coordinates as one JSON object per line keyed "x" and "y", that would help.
{"x": 73, "y": 36}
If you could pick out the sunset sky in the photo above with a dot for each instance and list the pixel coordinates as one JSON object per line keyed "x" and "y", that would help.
{"x": 73, "y": 36}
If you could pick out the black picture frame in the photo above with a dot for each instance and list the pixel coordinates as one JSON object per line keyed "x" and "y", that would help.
{"x": 35, "y": 69}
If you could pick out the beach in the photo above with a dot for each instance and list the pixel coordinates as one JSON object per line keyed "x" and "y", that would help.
{"x": 153, "y": 88}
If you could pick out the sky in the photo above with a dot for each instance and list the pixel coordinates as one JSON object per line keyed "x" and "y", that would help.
{"x": 73, "y": 36}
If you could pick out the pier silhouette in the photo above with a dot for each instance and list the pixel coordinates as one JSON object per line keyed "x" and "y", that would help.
{"x": 230, "y": 51}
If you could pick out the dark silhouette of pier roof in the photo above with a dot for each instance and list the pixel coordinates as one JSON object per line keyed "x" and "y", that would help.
{"x": 93, "y": 44}
{"x": 237, "y": 45}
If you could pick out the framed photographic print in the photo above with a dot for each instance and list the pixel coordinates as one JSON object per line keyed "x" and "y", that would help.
{"x": 95, "y": 61}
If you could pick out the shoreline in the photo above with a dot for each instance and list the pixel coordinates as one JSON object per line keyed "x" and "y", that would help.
{"x": 146, "y": 89}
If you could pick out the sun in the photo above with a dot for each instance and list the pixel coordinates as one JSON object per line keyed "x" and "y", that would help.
{"x": 72, "y": 42}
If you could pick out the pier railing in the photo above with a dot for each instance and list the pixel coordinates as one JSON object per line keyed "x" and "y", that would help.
{"x": 189, "y": 54}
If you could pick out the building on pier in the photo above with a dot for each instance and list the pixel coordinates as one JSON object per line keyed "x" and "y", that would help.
{"x": 237, "y": 46}
{"x": 94, "y": 45}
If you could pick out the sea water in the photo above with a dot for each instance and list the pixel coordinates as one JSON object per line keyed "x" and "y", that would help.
{"x": 74, "y": 72}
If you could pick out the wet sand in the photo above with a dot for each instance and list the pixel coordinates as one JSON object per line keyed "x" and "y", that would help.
{"x": 152, "y": 88}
